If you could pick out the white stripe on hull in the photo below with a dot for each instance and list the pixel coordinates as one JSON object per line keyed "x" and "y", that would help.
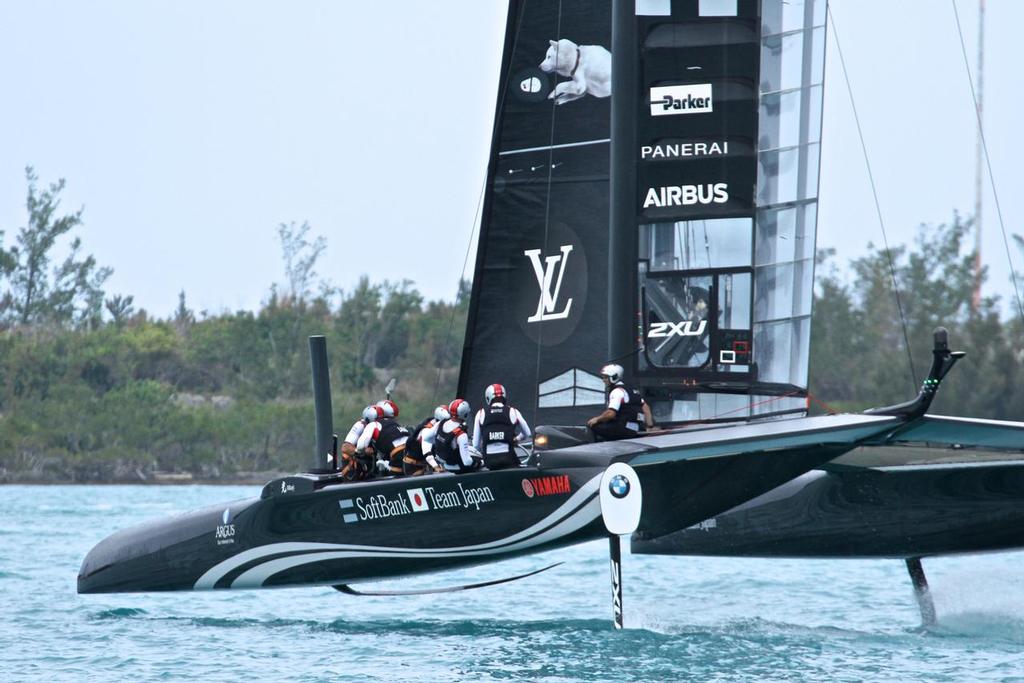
{"x": 210, "y": 578}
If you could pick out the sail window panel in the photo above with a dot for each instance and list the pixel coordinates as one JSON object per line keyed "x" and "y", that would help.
{"x": 790, "y": 118}
{"x": 765, "y": 405}
{"x": 800, "y": 351}
{"x": 785, "y": 234}
{"x": 732, "y": 406}
{"x": 697, "y": 245}
{"x": 783, "y": 290}
{"x": 793, "y": 60}
{"x": 676, "y": 330}
{"x": 734, "y": 301}
{"x": 772, "y": 343}
{"x": 780, "y": 16}
{"x": 773, "y": 292}
{"x": 788, "y": 175}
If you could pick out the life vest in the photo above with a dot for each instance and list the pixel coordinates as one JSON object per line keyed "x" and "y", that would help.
{"x": 392, "y": 437}
{"x": 630, "y": 414}
{"x": 446, "y": 444}
{"x": 497, "y": 429}
{"x": 413, "y": 447}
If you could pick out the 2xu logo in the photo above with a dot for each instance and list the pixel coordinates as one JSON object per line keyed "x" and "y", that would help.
{"x": 680, "y": 329}
{"x": 687, "y": 195}
{"x": 550, "y": 284}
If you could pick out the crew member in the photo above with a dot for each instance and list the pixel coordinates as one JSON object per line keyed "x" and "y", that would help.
{"x": 385, "y": 439}
{"x": 354, "y": 465}
{"x": 451, "y": 443}
{"x": 416, "y": 450}
{"x": 497, "y": 428}
{"x": 627, "y": 414}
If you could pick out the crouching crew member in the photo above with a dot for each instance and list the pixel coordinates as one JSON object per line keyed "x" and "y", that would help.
{"x": 355, "y": 465}
{"x": 451, "y": 443}
{"x": 416, "y": 450}
{"x": 385, "y": 439}
{"x": 627, "y": 414}
{"x": 497, "y": 428}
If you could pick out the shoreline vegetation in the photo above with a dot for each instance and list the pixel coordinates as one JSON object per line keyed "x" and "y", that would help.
{"x": 95, "y": 390}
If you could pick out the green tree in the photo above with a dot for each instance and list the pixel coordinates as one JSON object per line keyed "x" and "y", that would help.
{"x": 72, "y": 292}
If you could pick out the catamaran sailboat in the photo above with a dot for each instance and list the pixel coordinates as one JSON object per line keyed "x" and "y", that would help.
{"x": 694, "y": 272}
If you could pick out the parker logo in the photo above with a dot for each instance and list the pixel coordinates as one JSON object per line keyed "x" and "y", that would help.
{"x": 547, "y": 486}
{"x": 681, "y": 99}
{"x": 687, "y": 195}
{"x": 681, "y": 329}
{"x": 684, "y": 150}
{"x": 550, "y": 284}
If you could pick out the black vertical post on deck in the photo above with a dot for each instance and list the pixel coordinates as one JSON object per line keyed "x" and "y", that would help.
{"x": 321, "y": 402}
{"x": 622, "y": 227}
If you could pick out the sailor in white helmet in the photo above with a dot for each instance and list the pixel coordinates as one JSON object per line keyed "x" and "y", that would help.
{"x": 627, "y": 414}
{"x": 386, "y": 439}
{"x": 497, "y": 428}
{"x": 352, "y": 465}
{"x": 419, "y": 447}
{"x": 451, "y": 443}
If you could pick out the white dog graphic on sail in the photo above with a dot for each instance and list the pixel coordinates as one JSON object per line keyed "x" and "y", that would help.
{"x": 589, "y": 67}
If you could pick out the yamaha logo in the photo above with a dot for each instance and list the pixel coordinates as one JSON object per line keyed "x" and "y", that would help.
{"x": 687, "y": 195}
{"x": 619, "y": 486}
{"x": 681, "y": 99}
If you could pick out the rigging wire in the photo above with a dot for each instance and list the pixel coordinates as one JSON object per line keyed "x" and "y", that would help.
{"x": 478, "y": 217}
{"x": 547, "y": 203}
{"x": 874, "y": 193}
{"x": 477, "y": 220}
{"x": 988, "y": 160}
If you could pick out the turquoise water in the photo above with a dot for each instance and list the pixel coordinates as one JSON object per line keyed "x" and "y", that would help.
{"x": 687, "y": 618}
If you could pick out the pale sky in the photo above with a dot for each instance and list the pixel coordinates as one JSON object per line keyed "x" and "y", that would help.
{"x": 190, "y": 129}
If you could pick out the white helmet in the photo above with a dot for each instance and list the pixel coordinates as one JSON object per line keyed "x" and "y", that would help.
{"x": 459, "y": 409}
{"x": 441, "y": 413}
{"x": 371, "y": 413}
{"x": 495, "y": 391}
{"x": 613, "y": 372}
{"x": 389, "y": 408}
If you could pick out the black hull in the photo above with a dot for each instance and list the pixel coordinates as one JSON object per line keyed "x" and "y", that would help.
{"x": 304, "y": 538}
{"x": 903, "y": 510}
{"x": 307, "y": 530}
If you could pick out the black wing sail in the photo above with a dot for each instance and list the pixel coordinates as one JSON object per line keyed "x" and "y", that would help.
{"x": 537, "y": 320}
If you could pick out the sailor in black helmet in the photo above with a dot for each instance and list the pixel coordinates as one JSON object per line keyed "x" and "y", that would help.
{"x": 496, "y": 429}
{"x": 627, "y": 414}
{"x": 451, "y": 443}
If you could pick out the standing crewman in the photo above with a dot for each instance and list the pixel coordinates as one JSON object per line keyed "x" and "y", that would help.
{"x": 385, "y": 439}
{"x": 497, "y": 428}
{"x": 354, "y": 465}
{"x": 451, "y": 443}
{"x": 627, "y": 414}
{"x": 417, "y": 448}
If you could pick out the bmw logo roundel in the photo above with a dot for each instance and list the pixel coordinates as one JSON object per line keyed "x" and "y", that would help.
{"x": 619, "y": 486}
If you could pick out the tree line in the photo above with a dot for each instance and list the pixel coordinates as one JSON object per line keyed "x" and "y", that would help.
{"x": 94, "y": 389}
